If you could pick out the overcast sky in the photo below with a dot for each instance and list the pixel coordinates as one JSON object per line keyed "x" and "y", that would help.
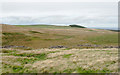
{"x": 89, "y": 14}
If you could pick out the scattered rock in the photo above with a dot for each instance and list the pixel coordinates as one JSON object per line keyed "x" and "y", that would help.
{"x": 79, "y": 45}
{"x": 88, "y": 45}
{"x": 12, "y": 46}
{"x": 117, "y": 47}
{"x": 58, "y": 47}
{"x": 97, "y": 46}
{"x": 105, "y": 47}
{"x": 111, "y": 47}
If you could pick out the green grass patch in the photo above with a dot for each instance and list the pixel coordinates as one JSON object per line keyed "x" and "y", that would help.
{"x": 17, "y": 68}
{"x": 53, "y": 51}
{"x": 36, "y": 57}
{"x": 81, "y": 70}
{"x": 27, "y": 60}
{"x": 7, "y": 51}
{"x": 67, "y": 55}
{"x": 104, "y": 39}
{"x": 40, "y": 56}
{"x": 86, "y": 72}
{"x": 35, "y": 38}
{"x": 67, "y": 49}
{"x": 49, "y": 39}
{"x": 9, "y": 68}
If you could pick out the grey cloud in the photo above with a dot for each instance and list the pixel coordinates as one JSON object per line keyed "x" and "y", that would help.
{"x": 60, "y": 13}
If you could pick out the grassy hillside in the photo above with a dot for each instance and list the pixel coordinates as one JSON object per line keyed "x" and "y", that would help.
{"x": 76, "y": 58}
{"x": 45, "y": 36}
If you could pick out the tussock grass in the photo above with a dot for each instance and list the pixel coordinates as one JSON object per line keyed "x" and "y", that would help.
{"x": 61, "y": 61}
{"x": 41, "y": 56}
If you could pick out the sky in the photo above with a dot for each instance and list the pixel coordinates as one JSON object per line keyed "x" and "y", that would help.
{"x": 97, "y": 13}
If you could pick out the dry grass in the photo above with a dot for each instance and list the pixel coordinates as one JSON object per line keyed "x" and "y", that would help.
{"x": 60, "y": 61}
{"x": 36, "y": 37}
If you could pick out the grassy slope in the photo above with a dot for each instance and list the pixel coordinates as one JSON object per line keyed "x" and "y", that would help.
{"x": 58, "y": 60}
{"x": 46, "y": 36}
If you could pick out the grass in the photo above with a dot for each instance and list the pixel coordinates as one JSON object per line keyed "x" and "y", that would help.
{"x": 104, "y": 39}
{"x": 27, "y": 60}
{"x": 16, "y": 69}
{"x": 60, "y": 35}
{"x": 49, "y": 61}
{"x": 81, "y": 70}
{"x": 67, "y": 49}
{"x": 8, "y": 51}
{"x": 21, "y": 39}
{"x": 87, "y": 72}
{"x": 41, "y": 56}
{"x": 67, "y": 55}
{"x": 11, "y": 38}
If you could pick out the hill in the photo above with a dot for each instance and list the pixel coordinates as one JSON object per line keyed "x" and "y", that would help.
{"x": 36, "y": 36}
